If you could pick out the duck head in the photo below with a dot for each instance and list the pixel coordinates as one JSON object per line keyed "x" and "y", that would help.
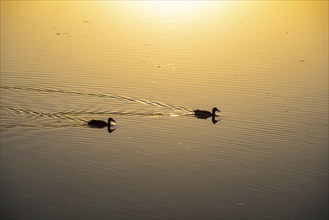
{"x": 110, "y": 120}
{"x": 214, "y": 110}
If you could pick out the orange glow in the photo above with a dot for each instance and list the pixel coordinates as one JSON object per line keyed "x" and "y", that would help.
{"x": 168, "y": 10}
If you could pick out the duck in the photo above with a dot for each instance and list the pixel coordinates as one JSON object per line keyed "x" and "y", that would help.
{"x": 206, "y": 114}
{"x": 100, "y": 124}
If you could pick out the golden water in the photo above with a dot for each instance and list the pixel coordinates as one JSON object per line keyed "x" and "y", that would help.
{"x": 148, "y": 65}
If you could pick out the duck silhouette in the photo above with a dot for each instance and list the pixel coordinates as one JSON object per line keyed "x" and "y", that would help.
{"x": 101, "y": 124}
{"x": 206, "y": 114}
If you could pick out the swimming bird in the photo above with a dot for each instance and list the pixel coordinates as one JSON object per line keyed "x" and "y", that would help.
{"x": 100, "y": 123}
{"x": 206, "y": 114}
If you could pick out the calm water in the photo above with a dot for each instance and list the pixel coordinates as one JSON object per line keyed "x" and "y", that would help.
{"x": 148, "y": 65}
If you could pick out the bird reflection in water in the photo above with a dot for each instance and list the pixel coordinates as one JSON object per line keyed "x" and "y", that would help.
{"x": 214, "y": 120}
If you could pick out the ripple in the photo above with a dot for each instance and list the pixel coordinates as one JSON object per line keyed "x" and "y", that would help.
{"x": 14, "y": 115}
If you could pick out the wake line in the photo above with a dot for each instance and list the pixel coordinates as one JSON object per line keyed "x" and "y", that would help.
{"x": 67, "y": 114}
{"x": 117, "y": 97}
{"x": 132, "y": 113}
{"x": 35, "y": 114}
{"x": 8, "y": 126}
{"x": 65, "y": 119}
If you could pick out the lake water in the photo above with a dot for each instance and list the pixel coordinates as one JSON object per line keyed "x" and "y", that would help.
{"x": 149, "y": 65}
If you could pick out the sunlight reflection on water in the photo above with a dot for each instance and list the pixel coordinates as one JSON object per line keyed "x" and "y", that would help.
{"x": 263, "y": 64}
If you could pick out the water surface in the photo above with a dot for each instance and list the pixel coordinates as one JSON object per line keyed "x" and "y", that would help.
{"x": 148, "y": 65}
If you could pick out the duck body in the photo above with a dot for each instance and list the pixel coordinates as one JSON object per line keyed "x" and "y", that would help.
{"x": 100, "y": 123}
{"x": 97, "y": 123}
{"x": 206, "y": 114}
